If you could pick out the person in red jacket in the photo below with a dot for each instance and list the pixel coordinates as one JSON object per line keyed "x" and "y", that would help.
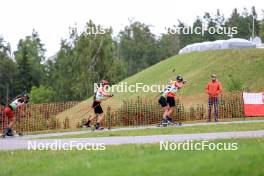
{"x": 213, "y": 89}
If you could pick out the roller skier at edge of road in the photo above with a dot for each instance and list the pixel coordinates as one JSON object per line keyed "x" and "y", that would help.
{"x": 19, "y": 101}
{"x": 99, "y": 96}
{"x": 167, "y": 100}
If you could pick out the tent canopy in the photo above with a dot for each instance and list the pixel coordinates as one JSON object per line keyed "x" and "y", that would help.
{"x": 218, "y": 45}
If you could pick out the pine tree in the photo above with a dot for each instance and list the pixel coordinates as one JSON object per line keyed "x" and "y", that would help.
{"x": 24, "y": 77}
{"x": 7, "y": 73}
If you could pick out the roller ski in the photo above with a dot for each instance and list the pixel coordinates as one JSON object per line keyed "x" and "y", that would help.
{"x": 168, "y": 122}
{"x": 10, "y": 133}
{"x": 97, "y": 127}
{"x": 100, "y": 129}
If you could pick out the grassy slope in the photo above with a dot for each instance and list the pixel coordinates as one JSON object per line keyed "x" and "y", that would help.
{"x": 140, "y": 160}
{"x": 245, "y": 64}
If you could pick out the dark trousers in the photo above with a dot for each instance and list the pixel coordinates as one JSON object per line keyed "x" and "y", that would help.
{"x": 213, "y": 101}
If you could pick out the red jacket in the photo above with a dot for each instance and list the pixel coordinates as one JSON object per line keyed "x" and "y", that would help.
{"x": 213, "y": 89}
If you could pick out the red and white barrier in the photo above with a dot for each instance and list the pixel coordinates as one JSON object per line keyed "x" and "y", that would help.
{"x": 253, "y": 104}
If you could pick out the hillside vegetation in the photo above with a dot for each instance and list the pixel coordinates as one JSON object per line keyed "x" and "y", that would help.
{"x": 244, "y": 65}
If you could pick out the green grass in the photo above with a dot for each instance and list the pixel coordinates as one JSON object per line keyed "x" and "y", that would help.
{"x": 244, "y": 64}
{"x": 139, "y": 160}
{"x": 170, "y": 130}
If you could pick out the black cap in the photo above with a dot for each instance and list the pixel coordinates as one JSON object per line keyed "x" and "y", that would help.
{"x": 179, "y": 78}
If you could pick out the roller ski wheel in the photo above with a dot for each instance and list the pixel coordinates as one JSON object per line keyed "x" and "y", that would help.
{"x": 169, "y": 124}
{"x": 162, "y": 125}
{"x": 175, "y": 124}
{"x": 93, "y": 128}
{"x": 178, "y": 124}
{"x": 16, "y": 134}
{"x": 10, "y": 136}
{"x": 100, "y": 129}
